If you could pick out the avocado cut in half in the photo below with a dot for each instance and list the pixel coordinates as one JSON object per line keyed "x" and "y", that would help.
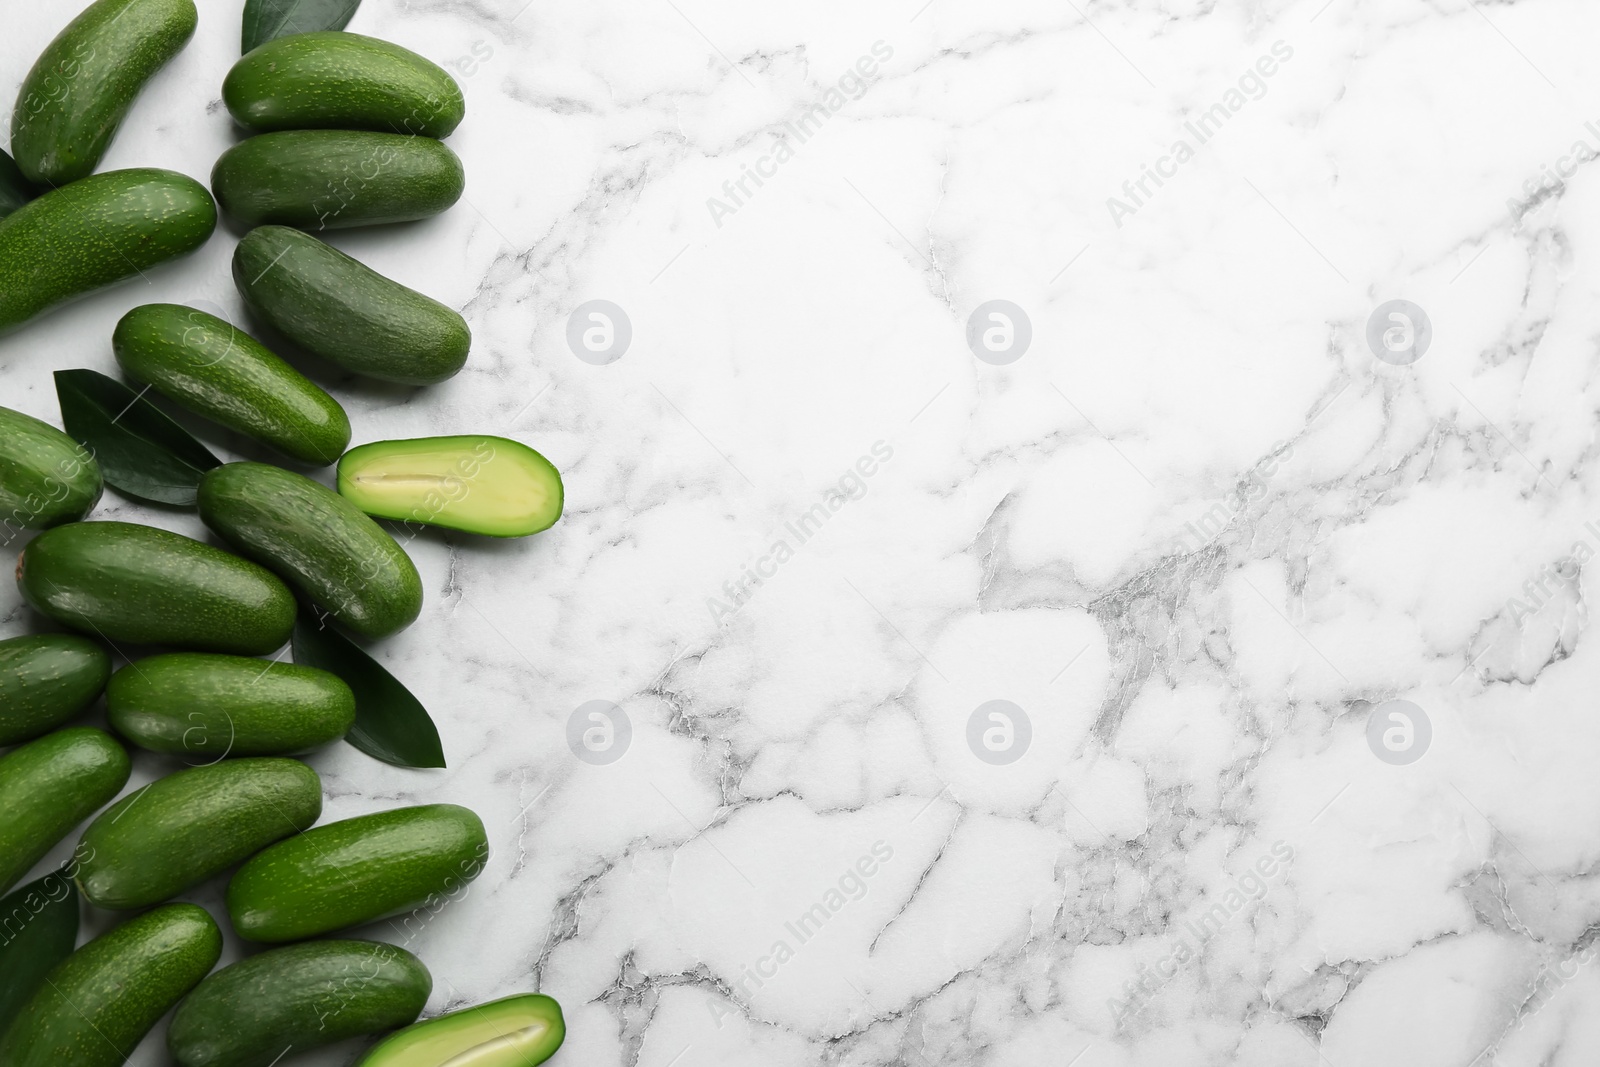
{"x": 475, "y": 483}
{"x": 519, "y": 1031}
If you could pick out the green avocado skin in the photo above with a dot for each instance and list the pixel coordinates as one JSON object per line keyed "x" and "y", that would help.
{"x": 15, "y": 189}
{"x": 125, "y": 582}
{"x": 180, "y": 830}
{"x": 343, "y": 311}
{"x": 212, "y": 706}
{"x": 49, "y": 786}
{"x": 356, "y": 871}
{"x": 504, "y": 1024}
{"x": 79, "y": 90}
{"x": 97, "y": 1004}
{"x": 301, "y": 997}
{"x": 319, "y": 543}
{"x": 46, "y": 478}
{"x": 216, "y": 370}
{"x": 332, "y": 179}
{"x": 94, "y": 233}
{"x": 341, "y": 81}
{"x": 46, "y": 679}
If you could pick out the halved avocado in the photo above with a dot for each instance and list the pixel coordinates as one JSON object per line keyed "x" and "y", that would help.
{"x": 476, "y": 483}
{"x": 519, "y": 1031}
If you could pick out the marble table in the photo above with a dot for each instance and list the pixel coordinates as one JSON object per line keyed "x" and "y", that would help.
{"x": 1077, "y": 523}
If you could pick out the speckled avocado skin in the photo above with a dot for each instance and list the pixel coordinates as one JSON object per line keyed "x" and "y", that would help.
{"x": 215, "y": 369}
{"x": 341, "y": 81}
{"x": 46, "y": 679}
{"x": 358, "y": 870}
{"x": 301, "y": 997}
{"x": 334, "y": 179}
{"x": 49, "y": 786}
{"x": 46, "y": 478}
{"x": 317, "y": 541}
{"x": 126, "y": 582}
{"x": 338, "y": 308}
{"x": 98, "y": 1003}
{"x": 180, "y": 830}
{"x": 75, "y": 97}
{"x": 209, "y": 706}
{"x": 94, "y": 233}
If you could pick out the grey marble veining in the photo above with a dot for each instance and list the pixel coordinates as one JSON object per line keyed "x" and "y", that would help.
{"x": 1285, "y": 598}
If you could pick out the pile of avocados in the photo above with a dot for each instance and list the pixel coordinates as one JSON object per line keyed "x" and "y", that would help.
{"x": 344, "y": 131}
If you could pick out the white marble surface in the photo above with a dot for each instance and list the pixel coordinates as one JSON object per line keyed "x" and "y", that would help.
{"x": 1198, "y": 704}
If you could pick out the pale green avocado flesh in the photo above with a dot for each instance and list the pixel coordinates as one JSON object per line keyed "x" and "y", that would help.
{"x": 475, "y": 483}
{"x": 519, "y": 1031}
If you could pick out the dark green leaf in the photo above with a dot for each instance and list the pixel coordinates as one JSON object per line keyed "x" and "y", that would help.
{"x": 391, "y": 724}
{"x": 141, "y": 452}
{"x": 14, "y": 188}
{"x": 38, "y": 927}
{"x": 266, "y": 20}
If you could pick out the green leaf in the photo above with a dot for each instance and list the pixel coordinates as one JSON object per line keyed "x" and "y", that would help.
{"x": 391, "y": 724}
{"x": 266, "y": 20}
{"x": 14, "y": 188}
{"x": 141, "y": 452}
{"x": 38, "y": 928}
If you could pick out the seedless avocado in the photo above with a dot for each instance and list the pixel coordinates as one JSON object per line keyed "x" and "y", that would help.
{"x": 96, "y": 232}
{"x": 519, "y": 1031}
{"x": 336, "y": 308}
{"x": 46, "y": 478}
{"x": 180, "y": 830}
{"x": 97, "y": 1004}
{"x": 49, "y": 786}
{"x": 317, "y": 541}
{"x": 484, "y": 485}
{"x": 79, "y": 90}
{"x": 333, "y": 179}
{"x": 46, "y": 679}
{"x": 15, "y": 189}
{"x": 214, "y": 369}
{"x": 126, "y": 582}
{"x": 299, "y": 997}
{"x": 211, "y": 706}
{"x": 358, "y": 870}
{"x": 341, "y": 81}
